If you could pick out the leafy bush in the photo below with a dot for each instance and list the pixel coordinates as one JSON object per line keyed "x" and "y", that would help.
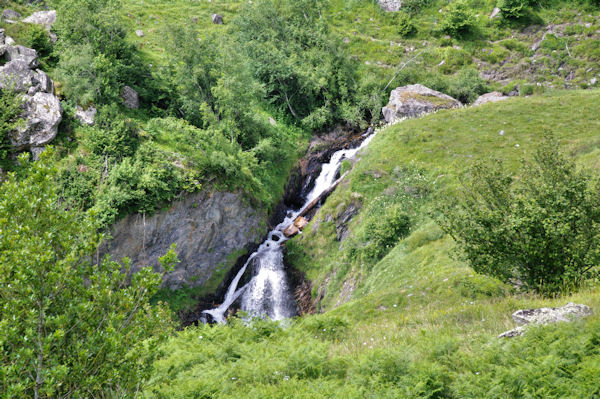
{"x": 542, "y": 231}
{"x": 467, "y": 85}
{"x": 414, "y": 6}
{"x": 458, "y": 18}
{"x": 512, "y": 9}
{"x": 384, "y": 232}
{"x": 52, "y": 351}
{"x": 404, "y": 24}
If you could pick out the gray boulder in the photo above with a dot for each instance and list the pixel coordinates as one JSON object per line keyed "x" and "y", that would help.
{"x": 207, "y": 228}
{"x": 217, "y": 19}
{"x": 17, "y": 76}
{"x": 22, "y": 53}
{"x": 390, "y": 5}
{"x": 495, "y": 13}
{"x": 86, "y": 116}
{"x": 492, "y": 97}
{"x": 569, "y": 312}
{"x": 42, "y": 114}
{"x": 44, "y": 18}
{"x": 139, "y": 33}
{"x": 130, "y": 98}
{"x": 10, "y": 15}
{"x": 414, "y": 100}
{"x": 2, "y": 41}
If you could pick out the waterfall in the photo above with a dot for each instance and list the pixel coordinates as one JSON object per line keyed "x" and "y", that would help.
{"x": 267, "y": 294}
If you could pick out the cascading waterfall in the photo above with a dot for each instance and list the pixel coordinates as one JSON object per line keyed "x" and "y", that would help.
{"x": 267, "y": 294}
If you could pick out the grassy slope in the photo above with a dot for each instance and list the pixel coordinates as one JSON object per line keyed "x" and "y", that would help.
{"x": 420, "y": 323}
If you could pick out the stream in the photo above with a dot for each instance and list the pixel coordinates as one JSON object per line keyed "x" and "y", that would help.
{"x": 267, "y": 293}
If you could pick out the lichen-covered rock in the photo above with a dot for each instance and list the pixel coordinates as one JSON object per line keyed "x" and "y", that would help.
{"x": 44, "y": 18}
{"x": 414, "y": 100}
{"x": 390, "y": 5}
{"x": 207, "y": 228}
{"x": 10, "y": 15}
{"x": 42, "y": 114}
{"x": 86, "y": 116}
{"x": 492, "y": 97}
{"x": 569, "y": 312}
{"x": 21, "y": 53}
{"x": 130, "y": 97}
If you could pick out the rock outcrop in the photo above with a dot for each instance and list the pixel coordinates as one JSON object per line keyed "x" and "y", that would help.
{"x": 130, "y": 97}
{"x": 567, "y": 313}
{"x": 415, "y": 100}
{"x": 42, "y": 111}
{"x": 207, "y": 228}
{"x": 492, "y": 97}
{"x": 43, "y": 18}
{"x": 390, "y": 5}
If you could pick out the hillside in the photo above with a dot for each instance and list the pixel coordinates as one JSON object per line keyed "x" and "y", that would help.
{"x": 417, "y": 323}
{"x": 151, "y": 151}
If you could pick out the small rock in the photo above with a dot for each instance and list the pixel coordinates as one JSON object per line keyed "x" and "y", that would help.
{"x": 139, "y": 33}
{"x": 346, "y": 40}
{"x": 390, "y": 5}
{"x": 495, "y": 13}
{"x": 217, "y": 19}
{"x": 9, "y": 15}
{"x": 593, "y": 81}
{"x": 44, "y": 18}
{"x": 130, "y": 98}
{"x": 492, "y": 97}
{"x": 10, "y": 41}
{"x": 86, "y": 116}
{"x": 501, "y": 133}
{"x": 195, "y": 20}
{"x": 272, "y": 121}
{"x": 442, "y": 63}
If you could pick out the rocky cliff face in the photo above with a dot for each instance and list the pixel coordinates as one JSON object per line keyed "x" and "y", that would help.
{"x": 207, "y": 227}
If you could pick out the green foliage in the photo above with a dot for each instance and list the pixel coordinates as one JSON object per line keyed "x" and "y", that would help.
{"x": 512, "y": 9}
{"x": 467, "y": 85}
{"x": 112, "y": 135}
{"x": 10, "y": 109}
{"x": 301, "y": 64}
{"x": 67, "y": 327}
{"x": 415, "y": 6}
{"x": 541, "y": 231}
{"x": 405, "y": 24}
{"x": 33, "y": 36}
{"x": 97, "y": 60}
{"x": 458, "y": 18}
{"x": 383, "y": 233}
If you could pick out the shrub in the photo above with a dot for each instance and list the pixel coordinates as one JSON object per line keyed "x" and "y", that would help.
{"x": 512, "y": 9}
{"x": 414, "y": 6}
{"x": 10, "y": 109}
{"x": 404, "y": 24}
{"x": 383, "y": 233}
{"x": 543, "y": 230}
{"x": 467, "y": 85}
{"x": 458, "y": 18}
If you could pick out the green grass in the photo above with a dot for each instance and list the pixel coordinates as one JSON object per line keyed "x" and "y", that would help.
{"x": 418, "y": 322}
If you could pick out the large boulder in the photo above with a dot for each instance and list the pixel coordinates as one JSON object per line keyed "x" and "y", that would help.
{"x": 390, "y": 5}
{"x": 130, "y": 97}
{"x": 414, "y": 100}
{"x": 10, "y": 15}
{"x": 207, "y": 228}
{"x": 42, "y": 114}
{"x": 44, "y": 18}
{"x": 18, "y": 76}
{"x": 492, "y": 97}
{"x": 569, "y": 312}
{"x": 21, "y": 53}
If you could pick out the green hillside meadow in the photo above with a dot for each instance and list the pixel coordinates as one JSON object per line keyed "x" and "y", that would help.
{"x": 418, "y": 323}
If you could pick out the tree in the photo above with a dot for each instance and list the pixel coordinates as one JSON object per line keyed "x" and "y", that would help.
{"x": 542, "y": 230}
{"x": 68, "y": 327}
{"x": 459, "y": 18}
